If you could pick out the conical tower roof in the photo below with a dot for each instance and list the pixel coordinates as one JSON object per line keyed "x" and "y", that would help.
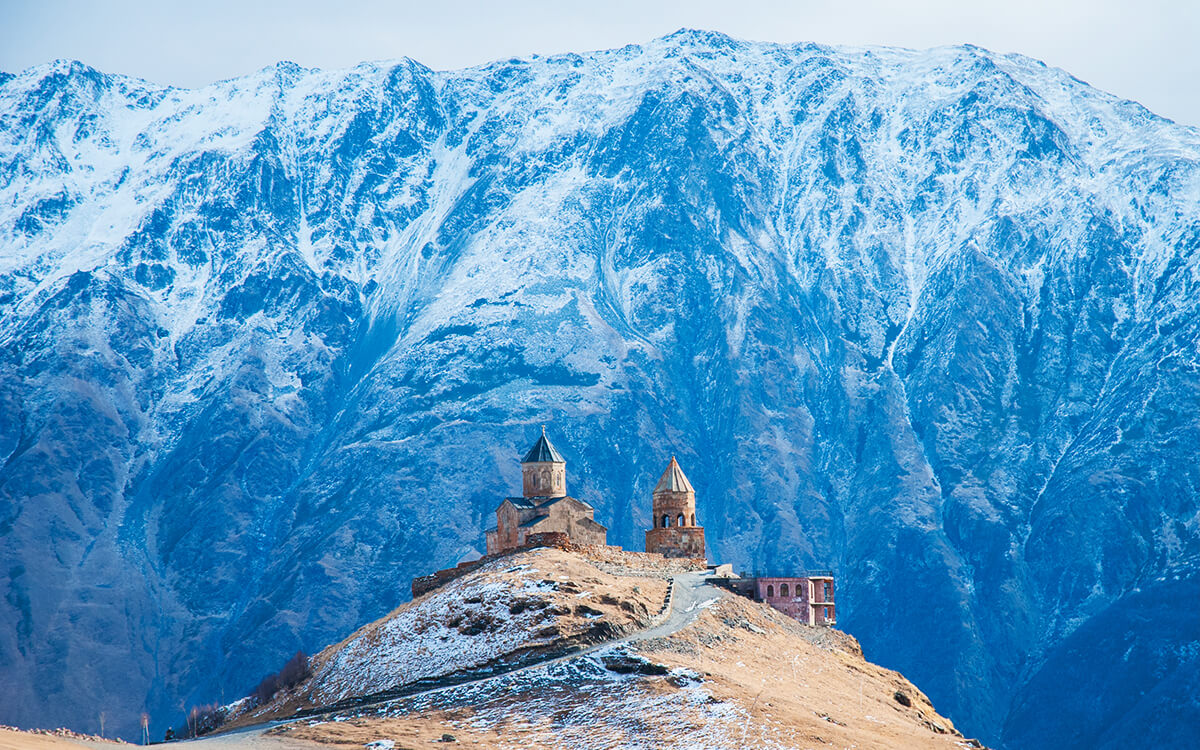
{"x": 543, "y": 452}
{"x": 673, "y": 479}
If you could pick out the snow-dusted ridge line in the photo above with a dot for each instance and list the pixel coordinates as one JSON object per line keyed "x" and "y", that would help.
{"x": 927, "y": 317}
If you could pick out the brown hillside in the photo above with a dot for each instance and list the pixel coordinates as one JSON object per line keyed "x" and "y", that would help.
{"x": 737, "y": 675}
{"x": 518, "y": 609}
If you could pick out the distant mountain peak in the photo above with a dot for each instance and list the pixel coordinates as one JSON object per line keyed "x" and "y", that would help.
{"x": 927, "y": 317}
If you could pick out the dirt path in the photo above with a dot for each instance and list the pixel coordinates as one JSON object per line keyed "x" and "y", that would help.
{"x": 690, "y": 596}
{"x": 252, "y": 737}
{"x": 243, "y": 740}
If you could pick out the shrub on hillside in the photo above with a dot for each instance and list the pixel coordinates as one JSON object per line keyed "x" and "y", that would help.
{"x": 204, "y": 719}
{"x": 293, "y": 673}
{"x": 200, "y": 720}
{"x": 266, "y": 689}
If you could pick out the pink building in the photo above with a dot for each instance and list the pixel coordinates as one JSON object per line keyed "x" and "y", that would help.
{"x": 809, "y": 599}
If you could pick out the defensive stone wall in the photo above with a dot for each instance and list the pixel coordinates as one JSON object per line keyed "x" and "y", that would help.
{"x": 626, "y": 562}
{"x": 425, "y": 584}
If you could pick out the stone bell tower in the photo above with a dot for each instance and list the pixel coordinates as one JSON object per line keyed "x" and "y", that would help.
{"x": 676, "y": 532}
{"x": 543, "y": 470}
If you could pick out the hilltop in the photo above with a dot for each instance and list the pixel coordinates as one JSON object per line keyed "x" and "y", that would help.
{"x": 612, "y": 657}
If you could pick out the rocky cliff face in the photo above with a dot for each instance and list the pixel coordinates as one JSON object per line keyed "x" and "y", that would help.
{"x": 272, "y": 347}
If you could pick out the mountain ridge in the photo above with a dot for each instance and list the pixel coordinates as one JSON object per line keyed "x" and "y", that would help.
{"x": 260, "y": 335}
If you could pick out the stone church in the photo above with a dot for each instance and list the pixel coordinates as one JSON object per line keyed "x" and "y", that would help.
{"x": 676, "y": 532}
{"x": 545, "y": 505}
{"x": 546, "y": 508}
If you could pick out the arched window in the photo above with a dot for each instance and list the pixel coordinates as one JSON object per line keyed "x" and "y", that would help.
{"x": 679, "y": 521}
{"x": 770, "y": 591}
{"x": 666, "y": 521}
{"x": 693, "y": 519}
{"x": 783, "y": 589}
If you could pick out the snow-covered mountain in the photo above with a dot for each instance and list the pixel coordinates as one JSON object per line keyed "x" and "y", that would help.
{"x": 272, "y": 347}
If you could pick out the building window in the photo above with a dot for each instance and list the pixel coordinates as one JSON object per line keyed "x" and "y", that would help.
{"x": 679, "y": 521}
{"x": 783, "y": 589}
{"x": 666, "y": 521}
{"x": 770, "y": 591}
{"x": 693, "y": 519}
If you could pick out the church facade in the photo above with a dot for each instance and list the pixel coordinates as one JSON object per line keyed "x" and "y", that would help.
{"x": 545, "y": 506}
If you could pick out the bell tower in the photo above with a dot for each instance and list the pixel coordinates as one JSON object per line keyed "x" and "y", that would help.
{"x": 676, "y": 532}
{"x": 543, "y": 470}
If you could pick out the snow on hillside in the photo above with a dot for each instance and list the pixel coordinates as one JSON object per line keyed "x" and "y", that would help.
{"x": 437, "y": 637}
{"x": 740, "y": 675}
{"x": 514, "y": 608}
{"x": 272, "y": 346}
{"x": 584, "y": 704}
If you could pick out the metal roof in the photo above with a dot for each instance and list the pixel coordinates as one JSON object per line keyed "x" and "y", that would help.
{"x": 543, "y": 452}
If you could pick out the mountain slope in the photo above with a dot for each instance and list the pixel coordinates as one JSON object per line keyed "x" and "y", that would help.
{"x": 272, "y": 347}
{"x": 719, "y": 671}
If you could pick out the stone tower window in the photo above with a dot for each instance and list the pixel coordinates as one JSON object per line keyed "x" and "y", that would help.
{"x": 679, "y": 521}
{"x": 666, "y": 521}
{"x": 783, "y": 589}
{"x": 770, "y": 591}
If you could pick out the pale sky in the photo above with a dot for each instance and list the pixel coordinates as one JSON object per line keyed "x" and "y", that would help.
{"x": 1146, "y": 50}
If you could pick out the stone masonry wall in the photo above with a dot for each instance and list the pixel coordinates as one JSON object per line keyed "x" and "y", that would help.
{"x": 676, "y": 541}
{"x": 673, "y": 505}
